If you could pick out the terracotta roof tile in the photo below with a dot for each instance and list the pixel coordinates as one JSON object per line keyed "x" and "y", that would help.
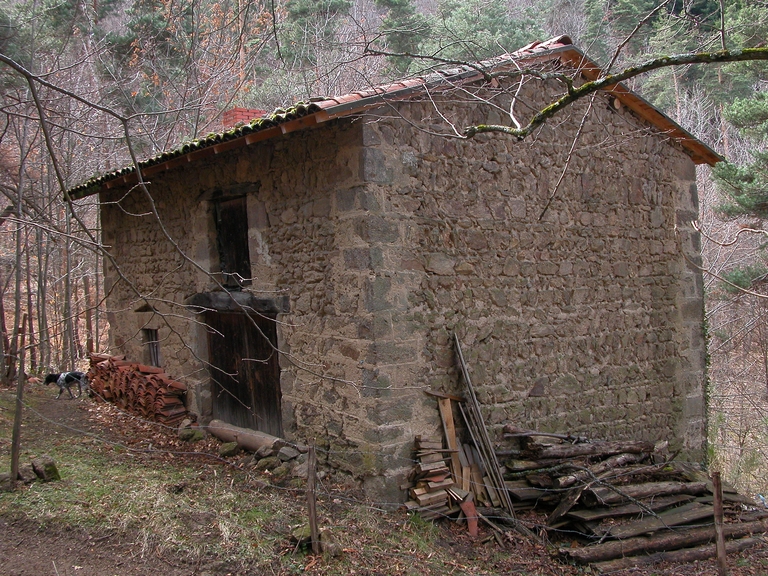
{"x": 360, "y": 101}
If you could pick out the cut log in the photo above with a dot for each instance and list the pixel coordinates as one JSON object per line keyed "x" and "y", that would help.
{"x": 609, "y": 464}
{"x": 685, "y": 514}
{"x": 602, "y": 449}
{"x": 442, "y": 484}
{"x": 525, "y": 465}
{"x": 249, "y": 439}
{"x": 666, "y": 541}
{"x": 529, "y": 492}
{"x": 684, "y": 556}
{"x": 565, "y": 504}
{"x": 540, "y": 480}
{"x": 513, "y": 431}
{"x": 604, "y": 495}
{"x": 431, "y": 498}
{"x": 431, "y": 467}
{"x": 732, "y": 498}
{"x": 429, "y": 457}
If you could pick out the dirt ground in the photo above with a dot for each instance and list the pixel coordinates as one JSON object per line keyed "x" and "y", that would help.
{"x": 30, "y": 549}
{"x": 26, "y": 549}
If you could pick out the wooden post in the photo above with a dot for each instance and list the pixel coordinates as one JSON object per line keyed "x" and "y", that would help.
{"x": 16, "y": 436}
{"x": 722, "y": 564}
{"x": 312, "y": 498}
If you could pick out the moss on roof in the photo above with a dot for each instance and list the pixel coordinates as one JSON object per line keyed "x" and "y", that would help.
{"x": 279, "y": 116}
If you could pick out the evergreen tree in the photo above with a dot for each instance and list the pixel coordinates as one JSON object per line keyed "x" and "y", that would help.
{"x": 745, "y": 106}
{"x": 745, "y": 186}
{"x": 479, "y": 29}
{"x": 405, "y": 32}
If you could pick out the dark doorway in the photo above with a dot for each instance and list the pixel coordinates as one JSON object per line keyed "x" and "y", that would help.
{"x": 245, "y": 371}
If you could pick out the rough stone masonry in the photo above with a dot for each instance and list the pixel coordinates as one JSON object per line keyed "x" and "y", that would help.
{"x": 586, "y": 317}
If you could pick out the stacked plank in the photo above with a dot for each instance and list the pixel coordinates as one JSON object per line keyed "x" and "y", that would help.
{"x": 447, "y": 471}
{"x": 431, "y": 480}
{"x": 143, "y": 390}
{"x": 433, "y": 491}
{"x": 625, "y": 503}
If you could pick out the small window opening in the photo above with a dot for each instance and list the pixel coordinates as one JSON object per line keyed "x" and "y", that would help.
{"x": 232, "y": 241}
{"x": 153, "y": 346}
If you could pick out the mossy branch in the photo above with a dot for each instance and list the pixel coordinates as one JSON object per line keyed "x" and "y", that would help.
{"x": 607, "y": 82}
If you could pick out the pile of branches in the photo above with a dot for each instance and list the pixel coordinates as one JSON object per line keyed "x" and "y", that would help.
{"x": 624, "y": 504}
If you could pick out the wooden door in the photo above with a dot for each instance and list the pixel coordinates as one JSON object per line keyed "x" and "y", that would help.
{"x": 245, "y": 372}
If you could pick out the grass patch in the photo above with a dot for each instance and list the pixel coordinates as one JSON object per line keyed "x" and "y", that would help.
{"x": 190, "y": 509}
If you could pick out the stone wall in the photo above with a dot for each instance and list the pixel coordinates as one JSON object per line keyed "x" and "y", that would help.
{"x": 585, "y": 317}
{"x": 581, "y": 313}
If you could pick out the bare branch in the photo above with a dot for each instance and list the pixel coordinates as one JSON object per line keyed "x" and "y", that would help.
{"x": 610, "y": 81}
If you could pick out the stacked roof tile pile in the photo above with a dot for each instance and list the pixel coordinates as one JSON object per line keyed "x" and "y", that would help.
{"x": 143, "y": 390}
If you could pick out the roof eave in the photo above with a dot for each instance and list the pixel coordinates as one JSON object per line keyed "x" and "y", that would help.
{"x": 699, "y": 152}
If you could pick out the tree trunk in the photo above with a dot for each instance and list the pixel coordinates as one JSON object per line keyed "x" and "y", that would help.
{"x": 249, "y": 439}
{"x": 43, "y": 263}
{"x": 69, "y": 335}
{"x": 5, "y": 342}
{"x": 18, "y": 328}
{"x": 30, "y": 313}
{"x": 76, "y": 301}
{"x": 98, "y": 267}
{"x": 16, "y": 435}
{"x": 613, "y": 462}
{"x": 88, "y": 315}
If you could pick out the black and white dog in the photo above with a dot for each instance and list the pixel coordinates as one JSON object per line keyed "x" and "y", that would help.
{"x": 66, "y": 380}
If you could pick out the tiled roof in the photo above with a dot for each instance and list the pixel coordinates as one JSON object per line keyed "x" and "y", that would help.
{"x": 306, "y": 114}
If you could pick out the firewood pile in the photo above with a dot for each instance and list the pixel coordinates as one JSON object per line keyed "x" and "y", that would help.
{"x": 143, "y": 390}
{"x": 618, "y": 504}
{"x": 454, "y": 476}
{"x": 624, "y": 504}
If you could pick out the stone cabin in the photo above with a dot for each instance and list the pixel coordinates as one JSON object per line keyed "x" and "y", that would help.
{"x": 304, "y": 272}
